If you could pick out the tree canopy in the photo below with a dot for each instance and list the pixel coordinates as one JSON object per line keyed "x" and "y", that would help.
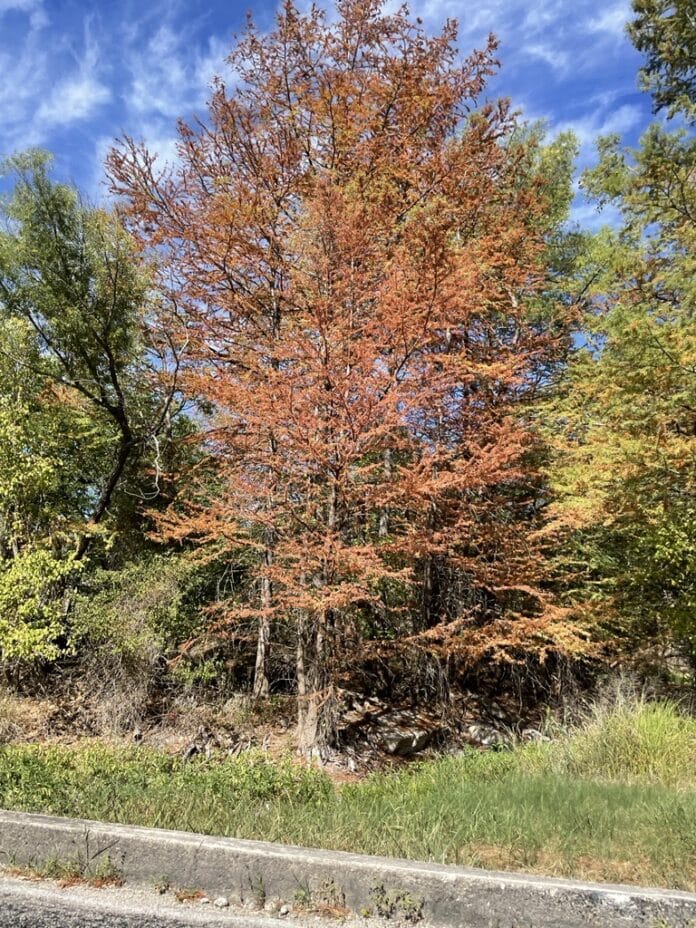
{"x": 341, "y": 392}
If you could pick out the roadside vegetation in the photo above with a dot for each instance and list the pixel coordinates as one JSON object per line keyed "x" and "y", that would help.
{"x": 341, "y": 433}
{"x": 368, "y": 416}
{"x": 612, "y": 800}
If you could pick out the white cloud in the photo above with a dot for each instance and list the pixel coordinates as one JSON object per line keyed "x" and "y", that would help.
{"x": 24, "y": 76}
{"x": 159, "y": 81}
{"x": 213, "y": 63}
{"x": 587, "y": 128}
{"x": 73, "y": 100}
{"x": 621, "y": 120}
{"x": 32, "y": 102}
{"x": 612, "y": 21}
{"x": 38, "y": 17}
{"x": 540, "y": 15}
{"x": 555, "y": 31}
{"x": 24, "y": 71}
{"x": 555, "y": 57}
{"x": 168, "y": 77}
{"x": 587, "y": 215}
{"x": 77, "y": 96}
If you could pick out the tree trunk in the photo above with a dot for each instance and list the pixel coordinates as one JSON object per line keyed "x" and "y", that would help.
{"x": 429, "y": 586}
{"x": 125, "y": 450}
{"x": 316, "y": 698}
{"x": 315, "y": 691}
{"x": 261, "y": 687}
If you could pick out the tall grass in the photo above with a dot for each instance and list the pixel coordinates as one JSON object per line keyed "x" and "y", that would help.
{"x": 614, "y": 800}
{"x": 626, "y": 740}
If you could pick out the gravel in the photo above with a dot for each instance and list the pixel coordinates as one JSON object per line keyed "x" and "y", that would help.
{"x": 26, "y": 903}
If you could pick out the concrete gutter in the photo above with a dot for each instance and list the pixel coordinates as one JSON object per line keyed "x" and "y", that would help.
{"x": 450, "y": 897}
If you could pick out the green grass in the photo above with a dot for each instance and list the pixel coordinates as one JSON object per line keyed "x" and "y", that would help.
{"x": 627, "y": 740}
{"x": 615, "y": 800}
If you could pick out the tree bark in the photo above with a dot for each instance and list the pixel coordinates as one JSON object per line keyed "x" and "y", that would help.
{"x": 261, "y": 687}
{"x": 125, "y": 450}
{"x": 316, "y": 700}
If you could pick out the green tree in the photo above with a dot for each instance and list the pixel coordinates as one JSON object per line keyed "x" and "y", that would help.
{"x": 665, "y": 31}
{"x": 88, "y": 400}
{"x": 624, "y": 473}
{"x": 47, "y": 444}
{"x": 76, "y": 279}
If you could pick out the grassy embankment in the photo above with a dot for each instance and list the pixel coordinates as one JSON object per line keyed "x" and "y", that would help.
{"x": 615, "y": 800}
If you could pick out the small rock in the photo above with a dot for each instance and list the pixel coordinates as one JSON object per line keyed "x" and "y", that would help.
{"x": 204, "y": 901}
{"x": 221, "y": 902}
{"x": 404, "y": 743}
{"x": 485, "y": 735}
{"x": 284, "y": 910}
{"x": 533, "y": 734}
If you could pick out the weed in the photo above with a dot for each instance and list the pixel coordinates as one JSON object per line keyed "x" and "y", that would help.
{"x": 258, "y": 890}
{"x": 161, "y": 885}
{"x": 330, "y": 901}
{"x": 663, "y": 923}
{"x": 302, "y": 897}
{"x": 394, "y": 903}
{"x": 105, "y": 873}
{"x": 70, "y": 871}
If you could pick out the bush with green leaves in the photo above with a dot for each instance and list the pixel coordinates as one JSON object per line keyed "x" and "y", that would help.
{"x": 32, "y": 611}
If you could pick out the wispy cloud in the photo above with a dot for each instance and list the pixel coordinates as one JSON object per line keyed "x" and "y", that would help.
{"x": 159, "y": 82}
{"x": 588, "y": 128}
{"x": 168, "y": 77}
{"x": 557, "y": 58}
{"x": 124, "y": 67}
{"x": 611, "y": 22}
{"x": 24, "y": 80}
{"x": 33, "y": 8}
{"x": 47, "y": 85}
{"x": 78, "y": 96}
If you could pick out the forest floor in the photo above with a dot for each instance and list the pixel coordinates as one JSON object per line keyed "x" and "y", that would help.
{"x": 374, "y": 734}
{"x": 613, "y": 799}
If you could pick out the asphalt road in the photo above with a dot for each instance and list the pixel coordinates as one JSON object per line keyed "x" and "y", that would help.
{"x": 44, "y": 905}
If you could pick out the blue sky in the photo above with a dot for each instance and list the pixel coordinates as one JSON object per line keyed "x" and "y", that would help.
{"x": 75, "y": 75}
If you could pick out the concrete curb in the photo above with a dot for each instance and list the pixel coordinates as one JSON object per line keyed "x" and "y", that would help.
{"x": 451, "y": 897}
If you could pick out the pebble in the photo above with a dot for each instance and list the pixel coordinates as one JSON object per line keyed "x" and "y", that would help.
{"x": 221, "y": 902}
{"x": 284, "y": 910}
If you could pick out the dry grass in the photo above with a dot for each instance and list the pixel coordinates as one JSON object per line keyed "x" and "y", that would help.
{"x": 23, "y": 718}
{"x": 188, "y": 894}
{"x": 638, "y": 870}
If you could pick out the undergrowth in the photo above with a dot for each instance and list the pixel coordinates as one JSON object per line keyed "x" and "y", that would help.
{"x": 614, "y": 800}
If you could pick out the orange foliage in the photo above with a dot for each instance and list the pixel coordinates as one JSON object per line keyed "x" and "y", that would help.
{"x": 353, "y": 240}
